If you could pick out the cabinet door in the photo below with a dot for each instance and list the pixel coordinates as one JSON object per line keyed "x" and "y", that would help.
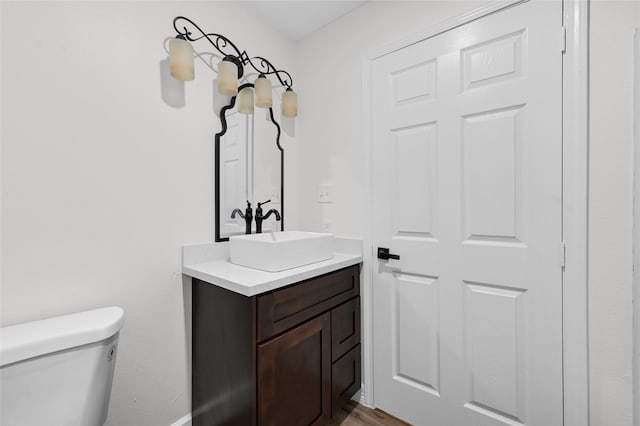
{"x": 345, "y": 328}
{"x": 345, "y": 378}
{"x": 294, "y": 376}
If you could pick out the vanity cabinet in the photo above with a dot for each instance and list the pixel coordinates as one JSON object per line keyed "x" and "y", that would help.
{"x": 287, "y": 357}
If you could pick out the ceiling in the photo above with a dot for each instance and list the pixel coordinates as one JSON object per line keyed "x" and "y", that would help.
{"x": 297, "y": 19}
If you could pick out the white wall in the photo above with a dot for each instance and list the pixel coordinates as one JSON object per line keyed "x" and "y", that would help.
{"x": 329, "y": 69}
{"x": 103, "y": 182}
{"x": 330, "y": 151}
{"x": 636, "y": 226}
{"x": 610, "y": 210}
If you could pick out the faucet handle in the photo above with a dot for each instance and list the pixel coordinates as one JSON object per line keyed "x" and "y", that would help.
{"x": 263, "y": 203}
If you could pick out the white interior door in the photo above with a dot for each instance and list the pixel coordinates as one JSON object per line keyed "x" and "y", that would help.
{"x": 467, "y": 175}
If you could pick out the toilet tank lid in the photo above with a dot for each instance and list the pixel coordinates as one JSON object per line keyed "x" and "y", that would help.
{"x": 32, "y": 339}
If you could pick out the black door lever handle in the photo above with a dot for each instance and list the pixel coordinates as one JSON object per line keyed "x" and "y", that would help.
{"x": 383, "y": 253}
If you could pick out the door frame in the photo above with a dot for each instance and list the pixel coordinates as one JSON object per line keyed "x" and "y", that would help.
{"x": 575, "y": 197}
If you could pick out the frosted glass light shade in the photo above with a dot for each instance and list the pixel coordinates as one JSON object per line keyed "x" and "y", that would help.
{"x": 228, "y": 78}
{"x": 181, "y": 59}
{"x": 245, "y": 101}
{"x": 263, "y": 92}
{"x": 290, "y": 103}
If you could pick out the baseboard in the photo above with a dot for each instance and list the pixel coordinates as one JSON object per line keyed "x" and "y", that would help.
{"x": 184, "y": 421}
{"x": 359, "y": 397}
{"x": 363, "y": 400}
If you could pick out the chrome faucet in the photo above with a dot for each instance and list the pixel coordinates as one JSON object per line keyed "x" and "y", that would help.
{"x": 260, "y": 217}
{"x": 247, "y": 216}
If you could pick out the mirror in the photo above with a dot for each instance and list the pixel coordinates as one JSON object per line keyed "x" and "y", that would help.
{"x": 249, "y": 165}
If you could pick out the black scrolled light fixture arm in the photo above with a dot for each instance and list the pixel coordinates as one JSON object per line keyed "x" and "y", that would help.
{"x": 230, "y": 51}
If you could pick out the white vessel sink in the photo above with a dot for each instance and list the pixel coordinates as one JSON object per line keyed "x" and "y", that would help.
{"x": 279, "y": 251}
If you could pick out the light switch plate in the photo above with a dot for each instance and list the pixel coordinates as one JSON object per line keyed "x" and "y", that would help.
{"x": 275, "y": 194}
{"x": 325, "y": 193}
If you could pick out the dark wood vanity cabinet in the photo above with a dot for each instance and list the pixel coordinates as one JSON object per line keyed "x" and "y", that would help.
{"x": 287, "y": 357}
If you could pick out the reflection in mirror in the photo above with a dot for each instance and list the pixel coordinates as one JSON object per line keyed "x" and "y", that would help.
{"x": 249, "y": 167}
{"x": 266, "y": 167}
{"x": 235, "y": 169}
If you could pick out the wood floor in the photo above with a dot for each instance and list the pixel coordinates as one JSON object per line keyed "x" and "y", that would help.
{"x": 354, "y": 414}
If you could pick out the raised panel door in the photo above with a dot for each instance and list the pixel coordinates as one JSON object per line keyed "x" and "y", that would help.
{"x": 467, "y": 190}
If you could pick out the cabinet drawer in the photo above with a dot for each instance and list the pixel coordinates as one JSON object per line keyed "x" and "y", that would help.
{"x": 345, "y": 379}
{"x": 345, "y": 327}
{"x": 285, "y": 308}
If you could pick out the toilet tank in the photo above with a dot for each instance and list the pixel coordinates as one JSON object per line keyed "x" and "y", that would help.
{"x": 59, "y": 371}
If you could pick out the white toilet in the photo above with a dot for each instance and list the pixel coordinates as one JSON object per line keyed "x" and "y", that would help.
{"x": 58, "y": 371}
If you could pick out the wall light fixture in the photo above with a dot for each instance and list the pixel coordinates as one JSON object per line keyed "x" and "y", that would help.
{"x": 230, "y": 69}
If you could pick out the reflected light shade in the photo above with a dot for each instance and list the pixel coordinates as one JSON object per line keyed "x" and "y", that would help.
{"x": 228, "y": 78}
{"x": 290, "y": 103}
{"x": 263, "y": 92}
{"x": 245, "y": 101}
{"x": 181, "y": 59}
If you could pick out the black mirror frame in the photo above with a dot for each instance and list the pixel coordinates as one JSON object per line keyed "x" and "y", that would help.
{"x": 223, "y": 130}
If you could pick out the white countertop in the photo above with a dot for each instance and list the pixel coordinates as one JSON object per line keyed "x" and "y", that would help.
{"x": 211, "y": 264}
